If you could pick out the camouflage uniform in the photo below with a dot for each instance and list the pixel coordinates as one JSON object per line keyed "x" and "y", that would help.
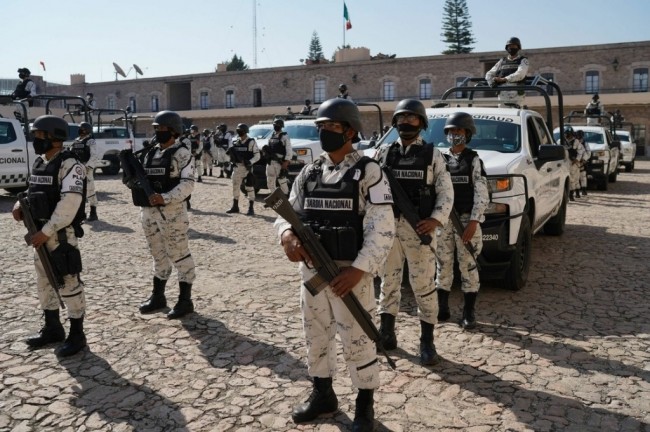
{"x": 586, "y": 156}
{"x": 325, "y": 314}
{"x": 274, "y": 167}
{"x": 167, "y": 238}
{"x": 514, "y": 71}
{"x": 222, "y": 141}
{"x": 407, "y": 245}
{"x": 241, "y": 170}
{"x": 206, "y": 156}
{"x": 91, "y": 196}
{"x": 576, "y": 154}
{"x": 450, "y": 241}
{"x": 196, "y": 150}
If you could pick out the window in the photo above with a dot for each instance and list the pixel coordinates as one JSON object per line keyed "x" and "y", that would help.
{"x": 204, "y": 100}
{"x": 425, "y": 88}
{"x": 111, "y": 102}
{"x": 592, "y": 82}
{"x": 459, "y": 82}
{"x": 389, "y": 90}
{"x": 640, "y": 80}
{"x": 155, "y": 105}
{"x": 257, "y": 97}
{"x": 319, "y": 91}
{"x": 550, "y": 77}
{"x": 230, "y": 99}
{"x": 132, "y": 104}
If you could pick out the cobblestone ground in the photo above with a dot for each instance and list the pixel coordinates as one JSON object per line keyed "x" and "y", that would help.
{"x": 570, "y": 352}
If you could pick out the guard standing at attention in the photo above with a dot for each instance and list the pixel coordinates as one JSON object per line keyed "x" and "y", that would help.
{"x": 243, "y": 154}
{"x": 56, "y": 198}
{"x": 170, "y": 169}
{"x": 197, "y": 150}
{"x": 278, "y": 155}
{"x": 510, "y": 70}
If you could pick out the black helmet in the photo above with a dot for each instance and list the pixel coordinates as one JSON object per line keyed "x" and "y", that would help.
{"x": 194, "y": 128}
{"x": 206, "y": 131}
{"x": 56, "y": 127}
{"x": 90, "y": 94}
{"x": 412, "y": 106}
{"x": 513, "y": 41}
{"x": 568, "y": 130}
{"x": 343, "y": 87}
{"x": 307, "y": 101}
{"x": 461, "y": 120}
{"x": 580, "y": 133}
{"x": 222, "y": 127}
{"x": 279, "y": 121}
{"x": 242, "y": 127}
{"x": 340, "y": 110}
{"x": 86, "y": 127}
{"x": 24, "y": 71}
{"x": 595, "y": 96}
{"x": 170, "y": 119}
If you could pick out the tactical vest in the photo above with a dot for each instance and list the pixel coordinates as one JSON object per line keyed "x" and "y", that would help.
{"x": 81, "y": 149}
{"x": 411, "y": 173}
{"x": 276, "y": 145}
{"x": 222, "y": 141}
{"x": 462, "y": 179}
{"x": 45, "y": 178}
{"x": 194, "y": 141}
{"x": 509, "y": 67}
{"x": 240, "y": 151}
{"x": 158, "y": 173}
{"x": 332, "y": 210}
{"x": 21, "y": 91}
{"x": 573, "y": 152}
{"x": 207, "y": 145}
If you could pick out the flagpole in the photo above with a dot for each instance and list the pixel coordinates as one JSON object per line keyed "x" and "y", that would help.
{"x": 344, "y": 27}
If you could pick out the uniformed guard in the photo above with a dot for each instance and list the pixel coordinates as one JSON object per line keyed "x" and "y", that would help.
{"x": 170, "y": 169}
{"x": 278, "y": 155}
{"x": 343, "y": 92}
{"x": 421, "y": 171}
{"x": 586, "y": 156}
{"x": 344, "y": 197}
{"x": 85, "y": 148}
{"x": 593, "y": 110}
{"x": 56, "y": 198}
{"x": 207, "y": 147}
{"x": 576, "y": 154}
{"x": 510, "y": 70}
{"x": 26, "y": 88}
{"x": 223, "y": 141}
{"x": 197, "y": 150}
{"x": 243, "y": 154}
{"x": 471, "y": 198}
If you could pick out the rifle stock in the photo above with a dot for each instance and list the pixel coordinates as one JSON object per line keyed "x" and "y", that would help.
{"x": 326, "y": 268}
{"x": 133, "y": 168}
{"x": 53, "y": 276}
{"x": 458, "y": 227}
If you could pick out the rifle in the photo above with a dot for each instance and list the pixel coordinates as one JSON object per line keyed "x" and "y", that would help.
{"x": 135, "y": 176}
{"x": 326, "y": 268}
{"x": 458, "y": 227}
{"x": 53, "y": 276}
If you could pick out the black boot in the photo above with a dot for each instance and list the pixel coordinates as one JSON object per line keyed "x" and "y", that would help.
{"x": 321, "y": 401}
{"x": 250, "y": 211}
{"x": 205, "y": 172}
{"x": 210, "y": 172}
{"x": 51, "y": 332}
{"x": 364, "y": 412}
{"x": 571, "y": 196}
{"x": 469, "y": 319}
{"x": 157, "y": 299}
{"x": 189, "y": 204}
{"x": 199, "y": 180}
{"x": 76, "y": 340}
{"x": 584, "y": 191}
{"x": 577, "y": 195}
{"x": 184, "y": 304}
{"x": 428, "y": 355}
{"x": 443, "y": 305}
{"x": 221, "y": 169}
{"x": 93, "y": 214}
{"x": 234, "y": 208}
{"x": 387, "y": 331}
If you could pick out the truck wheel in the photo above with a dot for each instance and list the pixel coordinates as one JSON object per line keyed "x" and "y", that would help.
{"x": 555, "y": 225}
{"x": 612, "y": 176}
{"x": 114, "y": 166}
{"x": 602, "y": 184}
{"x": 16, "y": 190}
{"x": 629, "y": 167}
{"x": 517, "y": 274}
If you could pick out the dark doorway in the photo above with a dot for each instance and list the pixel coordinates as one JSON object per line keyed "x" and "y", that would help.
{"x": 180, "y": 96}
{"x": 257, "y": 97}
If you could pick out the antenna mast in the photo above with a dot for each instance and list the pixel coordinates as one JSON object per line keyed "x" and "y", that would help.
{"x": 255, "y": 34}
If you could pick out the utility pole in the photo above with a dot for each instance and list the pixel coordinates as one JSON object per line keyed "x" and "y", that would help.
{"x": 255, "y": 34}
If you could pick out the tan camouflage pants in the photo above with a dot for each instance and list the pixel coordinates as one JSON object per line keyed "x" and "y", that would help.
{"x": 450, "y": 245}
{"x": 198, "y": 165}
{"x": 323, "y": 316}
{"x": 206, "y": 159}
{"x": 273, "y": 174}
{"x": 422, "y": 269}
{"x": 168, "y": 242}
{"x": 73, "y": 291}
{"x": 238, "y": 176}
{"x": 574, "y": 176}
{"x": 91, "y": 196}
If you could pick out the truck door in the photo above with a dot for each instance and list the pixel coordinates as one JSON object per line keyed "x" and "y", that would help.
{"x": 15, "y": 157}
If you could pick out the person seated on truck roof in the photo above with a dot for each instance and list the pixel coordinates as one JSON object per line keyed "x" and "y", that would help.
{"x": 26, "y": 88}
{"x": 509, "y": 71}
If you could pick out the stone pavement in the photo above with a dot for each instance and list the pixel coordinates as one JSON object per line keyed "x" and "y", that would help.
{"x": 570, "y": 352}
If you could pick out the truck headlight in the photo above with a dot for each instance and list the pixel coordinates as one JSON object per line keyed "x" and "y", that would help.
{"x": 496, "y": 208}
{"x": 500, "y": 184}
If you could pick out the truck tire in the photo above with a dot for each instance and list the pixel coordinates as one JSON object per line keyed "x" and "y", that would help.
{"x": 555, "y": 225}
{"x": 612, "y": 176}
{"x": 602, "y": 183}
{"x": 517, "y": 274}
{"x": 629, "y": 167}
{"x": 114, "y": 166}
{"x": 16, "y": 190}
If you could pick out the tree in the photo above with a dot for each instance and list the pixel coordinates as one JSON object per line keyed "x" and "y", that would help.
{"x": 236, "y": 64}
{"x": 457, "y": 28}
{"x": 315, "y": 50}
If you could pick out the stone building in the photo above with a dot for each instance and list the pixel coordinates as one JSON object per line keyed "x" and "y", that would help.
{"x": 618, "y": 72}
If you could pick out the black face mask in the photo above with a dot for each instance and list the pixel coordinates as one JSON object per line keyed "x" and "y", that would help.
{"x": 513, "y": 51}
{"x": 277, "y": 128}
{"x": 408, "y": 131}
{"x": 241, "y": 133}
{"x": 163, "y": 137}
{"x": 331, "y": 141}
{"x": 21, "y": 76}
{"x": 42, "y": 146}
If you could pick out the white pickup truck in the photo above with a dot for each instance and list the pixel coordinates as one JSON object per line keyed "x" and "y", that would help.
{"x": 16, "y": 156}
{"x": 528, "y": 177}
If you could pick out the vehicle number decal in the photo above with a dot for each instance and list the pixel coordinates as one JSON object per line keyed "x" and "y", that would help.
{"x": 490, "y": 237}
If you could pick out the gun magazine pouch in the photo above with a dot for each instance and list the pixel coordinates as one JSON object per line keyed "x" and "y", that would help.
{"x": 341, "y": 243}
{"x": 66, "y": 258}
{"x": 426, "y": 203}
{"x": 39, "y": 205}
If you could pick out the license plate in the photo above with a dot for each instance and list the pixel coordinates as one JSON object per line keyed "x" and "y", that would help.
{"x": 490, "y": 237}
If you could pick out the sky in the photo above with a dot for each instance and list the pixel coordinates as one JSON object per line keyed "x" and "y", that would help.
{"x": 172, "y": 37}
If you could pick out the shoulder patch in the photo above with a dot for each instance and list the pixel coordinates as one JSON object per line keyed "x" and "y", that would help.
{"x": 380, "y": 192}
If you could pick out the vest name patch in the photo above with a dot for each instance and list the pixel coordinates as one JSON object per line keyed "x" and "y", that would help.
{"x": 459, "y": 179}
{"x": 155, "y": 171}
{"x": 408, "y": 174}
{"x": 328, "y": 203}
{"x": 45, "y": 180}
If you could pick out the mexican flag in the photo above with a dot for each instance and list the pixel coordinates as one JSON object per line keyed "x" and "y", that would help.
{"x": 348, "y": 24}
